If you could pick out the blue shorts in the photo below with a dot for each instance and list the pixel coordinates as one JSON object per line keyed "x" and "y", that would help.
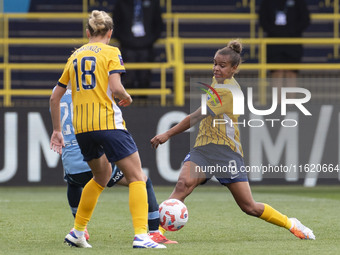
{"x": 219, "y": 161}
{"x": 82, "y": 178}
{"x": 116, "y": 144}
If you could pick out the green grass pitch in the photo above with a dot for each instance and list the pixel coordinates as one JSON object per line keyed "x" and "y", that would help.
{"x": 35, "y": 221}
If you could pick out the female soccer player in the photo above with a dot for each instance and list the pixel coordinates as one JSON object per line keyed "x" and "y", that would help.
{"x": 78, "y": 173}
{"x": 221, "y": 146}
{"x": 94, "y": 72}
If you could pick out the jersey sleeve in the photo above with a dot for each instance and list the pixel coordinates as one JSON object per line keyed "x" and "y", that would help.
{"x": 116, "y": 64}
{"x": 65, "y": 77}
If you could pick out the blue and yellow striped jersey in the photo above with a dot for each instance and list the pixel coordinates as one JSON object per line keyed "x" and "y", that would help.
{"x": 88, "y": 70}
{"x": 223, "y": 134}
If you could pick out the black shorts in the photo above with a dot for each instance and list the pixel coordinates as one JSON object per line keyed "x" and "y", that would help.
{"x": 83, "y": 178}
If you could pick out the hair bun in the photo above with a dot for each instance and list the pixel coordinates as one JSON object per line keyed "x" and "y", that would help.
{"x": 235, "y": 45}
{"x": 99, "y": 23}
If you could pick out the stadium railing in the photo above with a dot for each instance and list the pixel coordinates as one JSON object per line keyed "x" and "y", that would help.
{"x": 262, "y": 67}
{"x": 174, "y": 47}
{"x": 7, "y": 92}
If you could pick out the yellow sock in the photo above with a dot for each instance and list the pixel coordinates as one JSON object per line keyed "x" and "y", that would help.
{"x": 138, "y": 203}
{"x": 162, "y": 230}
{"x": 88, "y": 201}
{"x": 275, "y": 217}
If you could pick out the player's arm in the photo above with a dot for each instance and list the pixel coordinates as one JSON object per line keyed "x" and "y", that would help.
{"x": 189, "y": 121}
{"x": 118, "y": 90}
{"x": 57, "y": 139}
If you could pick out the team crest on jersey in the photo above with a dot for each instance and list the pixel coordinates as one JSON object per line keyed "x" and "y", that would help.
{"x": 121, "y": 59}
{"x": 213, "y": 102}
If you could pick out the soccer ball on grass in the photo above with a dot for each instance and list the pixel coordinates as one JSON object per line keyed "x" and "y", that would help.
{"x": 173, "y": 214}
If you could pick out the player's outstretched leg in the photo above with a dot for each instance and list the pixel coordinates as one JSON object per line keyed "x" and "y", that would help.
{"x": 242, "y": 195}
{"x": 301, "y": 231}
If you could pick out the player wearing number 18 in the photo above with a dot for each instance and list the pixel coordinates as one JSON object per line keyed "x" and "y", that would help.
{"x": 94, "y": 73}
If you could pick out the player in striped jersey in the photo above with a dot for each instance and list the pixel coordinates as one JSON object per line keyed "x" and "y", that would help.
{"x": 220, "y": 146}
{"x": 94, "y": 72}
{"x": 77, "y": 173}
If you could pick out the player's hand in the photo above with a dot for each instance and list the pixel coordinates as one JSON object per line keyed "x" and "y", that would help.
{"x": 125, "y": 102}
{"x": 57, "y": 142}
{"x": 159, "y": 139}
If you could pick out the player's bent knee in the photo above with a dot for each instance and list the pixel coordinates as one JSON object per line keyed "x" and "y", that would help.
{"x": 182, "y": 186}
{"x": 249, "y": 210}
